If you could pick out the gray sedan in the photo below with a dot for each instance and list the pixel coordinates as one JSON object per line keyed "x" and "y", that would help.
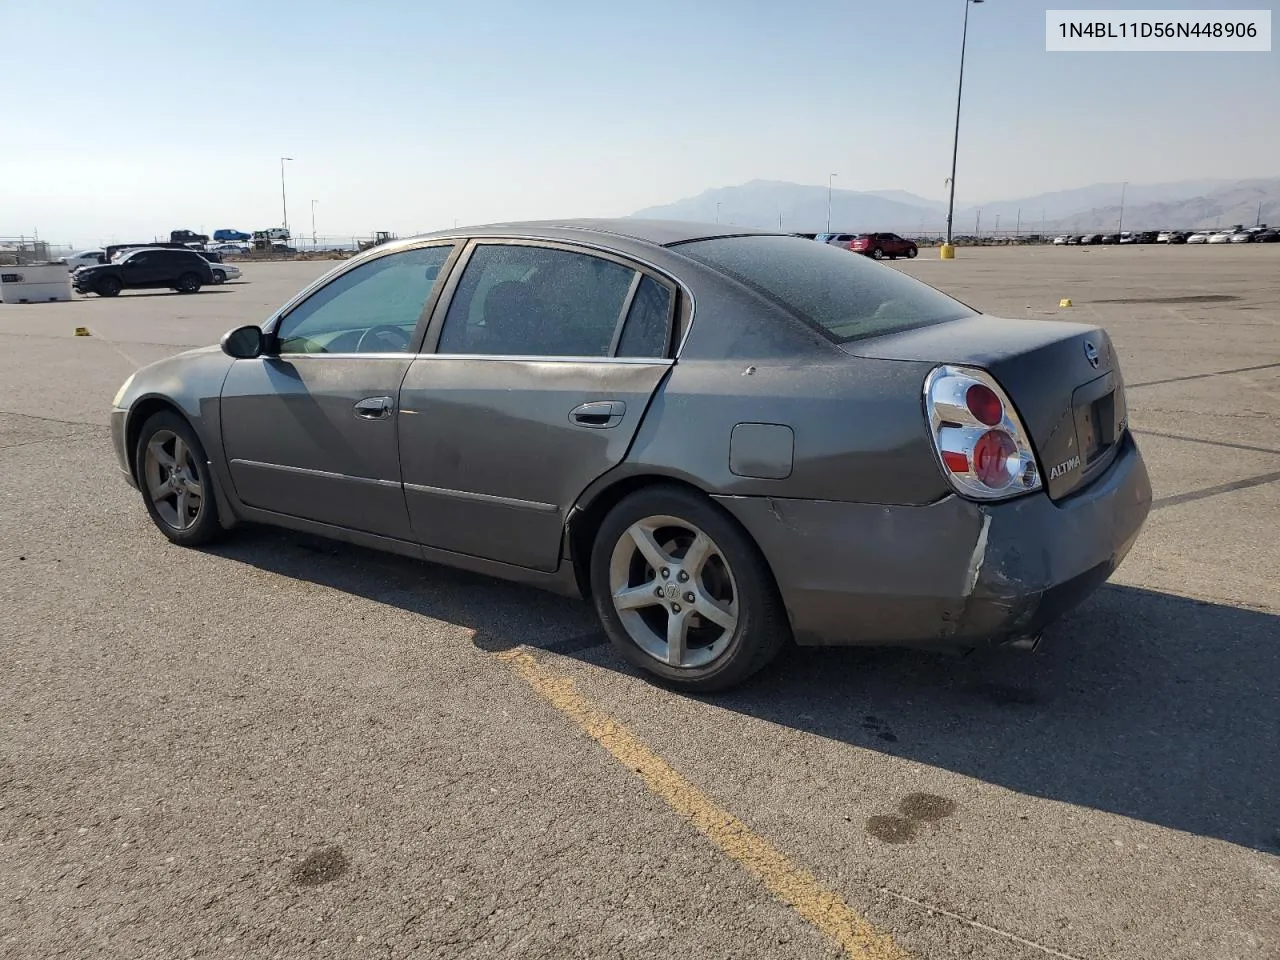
{"x": 728, "y": 440}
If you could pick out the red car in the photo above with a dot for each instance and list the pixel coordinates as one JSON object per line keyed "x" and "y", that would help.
{"x": 881, "y": 245}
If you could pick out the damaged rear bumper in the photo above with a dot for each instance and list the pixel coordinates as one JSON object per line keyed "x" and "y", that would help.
{"x": 952, "y": 573}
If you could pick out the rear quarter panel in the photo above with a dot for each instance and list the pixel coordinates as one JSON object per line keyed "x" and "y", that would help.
{"x": 858, "y": 426}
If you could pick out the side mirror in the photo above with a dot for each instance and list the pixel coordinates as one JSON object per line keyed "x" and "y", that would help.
{"x": 243, "y": 343}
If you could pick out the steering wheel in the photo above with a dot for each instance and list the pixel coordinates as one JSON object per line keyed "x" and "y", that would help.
{"x": 396, "y": 338}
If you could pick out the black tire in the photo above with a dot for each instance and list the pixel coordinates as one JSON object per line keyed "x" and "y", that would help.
{"x": 762, "y": 628}
{"x": 219, "y": 276}
{"x": 912, "y": 252}
{"x": 188, "y": 283}
{"x": 108, "y": 287}
{"x": 877, "y": 253}
{"x": 204, "y": 526}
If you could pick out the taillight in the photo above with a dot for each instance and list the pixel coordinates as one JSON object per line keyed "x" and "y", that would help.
{"x": 982, "y": 446}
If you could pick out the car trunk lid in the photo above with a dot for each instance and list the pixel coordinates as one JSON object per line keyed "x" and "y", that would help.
{"x": 1063, "y": 379}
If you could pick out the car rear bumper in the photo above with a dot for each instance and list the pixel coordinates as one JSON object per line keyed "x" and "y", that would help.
{"x": 952, "y": 573}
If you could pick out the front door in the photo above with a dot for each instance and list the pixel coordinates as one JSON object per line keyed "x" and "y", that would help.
{"x": 545, "y": 364}
{"x": 144, "y": 269}
{"x": 310, "y": 430}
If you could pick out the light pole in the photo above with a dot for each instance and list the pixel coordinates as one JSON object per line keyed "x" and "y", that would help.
{"x": 1120, "y": 227}
{"x": 284, "y": 204}
{"x": 949, "y": 251}
{"x": 313, "y": 223}
{"x": 830, "y": 176}
{"x": 717, "y": 211}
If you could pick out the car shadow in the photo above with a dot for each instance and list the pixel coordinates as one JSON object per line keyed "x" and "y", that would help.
{"x": 1142, "y": 704}
{"x": 173, "y": 293}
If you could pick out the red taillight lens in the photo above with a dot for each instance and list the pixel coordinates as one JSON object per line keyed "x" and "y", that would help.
{"x": 984, "y": 404}
{"x": 982, "y": 446}
{"x": 995, "y": 458}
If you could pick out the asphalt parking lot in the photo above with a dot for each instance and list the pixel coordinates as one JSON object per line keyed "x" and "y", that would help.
{"x": 283, "y": 747}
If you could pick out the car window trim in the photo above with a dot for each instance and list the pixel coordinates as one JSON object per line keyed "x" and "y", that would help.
{"x": 431, "y": 342}
{"x": 621, "y": 323}
{"x": 272, "y": 325}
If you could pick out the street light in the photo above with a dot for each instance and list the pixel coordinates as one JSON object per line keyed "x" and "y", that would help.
{"x": 313, "y": 223}
{"x": 1120, "y": 228}
{"x": 284, "y": 205}
{"x": 949, "y": 251}
{"x": 829, "y": 176}
{"x": 717, "y": 211}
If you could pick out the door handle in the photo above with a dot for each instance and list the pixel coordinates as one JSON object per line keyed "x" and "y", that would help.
{"x": 598, "y": 413}
{"x": 374, "y": 408}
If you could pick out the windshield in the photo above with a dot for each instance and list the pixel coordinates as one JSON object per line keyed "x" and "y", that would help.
{"x": 842, "y": 294}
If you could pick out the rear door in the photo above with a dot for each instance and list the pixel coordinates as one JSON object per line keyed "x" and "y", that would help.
{"x": 310, "y": 430}
{"x": 546, "y": 359}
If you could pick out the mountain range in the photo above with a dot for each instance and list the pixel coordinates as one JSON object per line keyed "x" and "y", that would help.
{"x": 801, "y": 208}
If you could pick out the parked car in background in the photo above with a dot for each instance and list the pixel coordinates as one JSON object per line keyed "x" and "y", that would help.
{"x": 1090, "y": 238}
{"x": 1198, "y": 238}
{"x": 148, "y": 267}
{"x": 577, "y": 427}
{"x": 841, "y": 240}
{"x": 1062, "y": 240}
{"x": 1074, "y": 240}
{"x": 881, "y": 245}
{"x": 1173, "y": 236}
{"x": 240, "y": 248}
{"x": 1146, "y": 236}
{"x": 1270, "y": 235}
{"x": 222, "y": 272}
{"x": 226, "y": 235}
{"x": 1242, "y": 236}
{"x": 85, "y": 258}
{"x": 1221, "y": 236}
{"x": 1111, "y": 238}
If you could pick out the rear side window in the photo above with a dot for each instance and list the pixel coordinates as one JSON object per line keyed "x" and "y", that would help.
{"x": 845, "y": 297}
{"x": 645, "y": 331}
{"x": 519, "y": 300}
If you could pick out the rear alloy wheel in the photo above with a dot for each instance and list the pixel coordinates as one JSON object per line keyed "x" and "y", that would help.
{"x": 878, "y": 253}
{"x": 911, "y": 252}
{"x": 108, "y": 287}
{"x": 219, "y": 277}
{"x": 188, "y": 283}
{"x": 683, "y": 592}
{"x": 174, "y": 475}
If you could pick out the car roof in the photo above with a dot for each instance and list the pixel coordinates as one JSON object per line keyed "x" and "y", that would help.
{"x": 660, "y": 233}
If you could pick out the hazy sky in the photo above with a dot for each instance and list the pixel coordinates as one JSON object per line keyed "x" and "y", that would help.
{"x": 128, "y": 119}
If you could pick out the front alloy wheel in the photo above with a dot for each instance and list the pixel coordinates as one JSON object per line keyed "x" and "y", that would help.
{"x": 177, "y": 485}
{"x": 172, "y": 480}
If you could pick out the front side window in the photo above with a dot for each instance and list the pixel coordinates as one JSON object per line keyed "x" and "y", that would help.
{"x": 844, "y": 297}
{"x": 519, "y": 300}
{"x": 371, "y": 309}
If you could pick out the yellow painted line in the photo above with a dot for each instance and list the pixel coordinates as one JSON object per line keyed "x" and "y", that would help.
{"x": 797, "y": 887}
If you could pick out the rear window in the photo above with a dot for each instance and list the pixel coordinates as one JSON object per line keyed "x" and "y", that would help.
{"x": 842, "y": 294}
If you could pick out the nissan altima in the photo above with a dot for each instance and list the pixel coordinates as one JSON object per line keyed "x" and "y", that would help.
{"x": 727, "y": 440}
